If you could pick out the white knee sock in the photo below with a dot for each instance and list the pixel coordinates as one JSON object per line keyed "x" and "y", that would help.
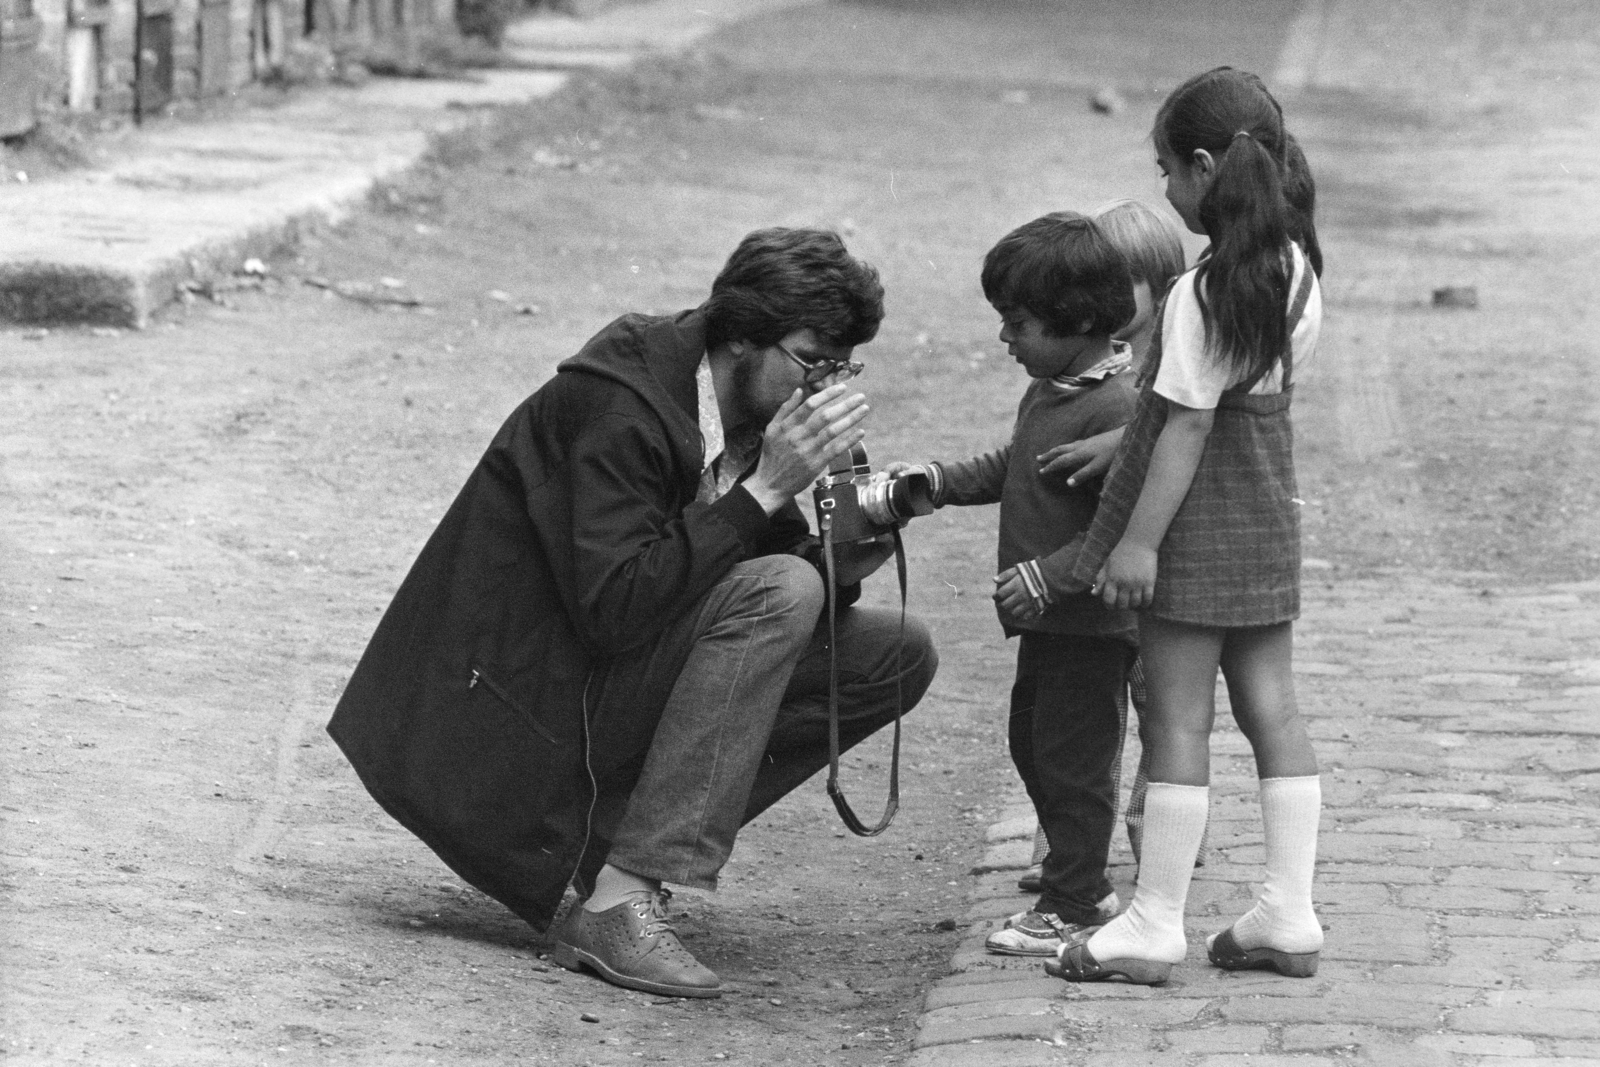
{"x": 1283, "y": 918}
{"x": 1152, "y": 927}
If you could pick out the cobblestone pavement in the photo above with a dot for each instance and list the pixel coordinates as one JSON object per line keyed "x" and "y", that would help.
{"x": 1457, "y": 726}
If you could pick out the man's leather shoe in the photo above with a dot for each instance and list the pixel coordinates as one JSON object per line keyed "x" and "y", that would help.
{"x": 634, "y": 946}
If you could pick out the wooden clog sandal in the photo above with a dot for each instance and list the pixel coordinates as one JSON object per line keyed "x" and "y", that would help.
{"x": 1224, "y": 952}
{"x": 1077, "y": 964}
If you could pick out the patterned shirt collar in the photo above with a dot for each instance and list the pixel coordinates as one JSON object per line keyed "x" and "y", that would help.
{"x": 1120, "y": 359}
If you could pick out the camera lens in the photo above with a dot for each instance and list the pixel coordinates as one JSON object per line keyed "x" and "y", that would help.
{"x": 910, "y": 496}
{"x": 873, "y": 495}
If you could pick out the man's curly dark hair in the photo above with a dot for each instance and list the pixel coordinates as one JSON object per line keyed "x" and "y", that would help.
{"x": 780, "y": 280}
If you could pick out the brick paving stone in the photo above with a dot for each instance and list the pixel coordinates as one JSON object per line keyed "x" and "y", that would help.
{"x": 1479, "y": 1044}
{"x": 1151, "y": 1012}
{"x": 1572, "y": 902}
{"x": 992, "y": 910}
{"x": 1367, "y": 1006}
{"x": 1390, "y": 936}
{"x": 1348, "y": 846}
{"x": 990, "y": 1054}
{"x": 1524, "y": 835}
{"x": 1540, "y": 1022}
{"x": 1462, "y": 898}
{"x": 1536, "y": 881}
{"x": 1114, "y": 1038}
{"x": 1011, "y": 1027}
{"x": 1219, "y": 1038}
{"x": 1491, "y": 854}
{"x": 978, "y": 959}
{"x": 1435, "y": 800}
{"x": 1548, "y": 929}
{"x": 1381, "y": 873}
{"x": 1585, "y": 1049}
{"x": 947, "y": 994}
{"x": 985, "y": 977}
{"x": 1434, "y": 829}
{"x": 1578, "y": 952}
{"x": 1354, "y": 896}
{"x": 1316, "y": 1037}
{"x": 1006, "y": 856}
{"x": 1012, "y": 828}
{"x": 1404, "y": 1054}
{"x": 1496, "y": 952}
{"x": 1144, "y": 1059}
{"x": 993, "y": 1008}
{"x": 1271, "y": 1059}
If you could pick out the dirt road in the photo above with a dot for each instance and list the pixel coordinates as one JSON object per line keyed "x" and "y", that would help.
{"x": 206, "y": 517}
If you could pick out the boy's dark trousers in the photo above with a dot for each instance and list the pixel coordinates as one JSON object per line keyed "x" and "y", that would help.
{"x": 1066, "y": 736}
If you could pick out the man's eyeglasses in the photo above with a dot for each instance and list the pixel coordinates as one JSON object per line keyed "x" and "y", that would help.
{"x": 818, "y": 369}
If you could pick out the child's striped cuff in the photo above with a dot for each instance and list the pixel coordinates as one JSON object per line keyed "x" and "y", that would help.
{"x": 935, "y": 475}
{"x": 1033, "y": 581}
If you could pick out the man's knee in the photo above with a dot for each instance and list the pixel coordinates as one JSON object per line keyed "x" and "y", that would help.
{"x": 918, "y": 659}
{"x": 787, "y": 587}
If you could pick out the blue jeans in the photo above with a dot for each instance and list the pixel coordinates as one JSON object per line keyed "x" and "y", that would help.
{"x": 747, "y": 719}
{"x": 1066, "y": 734}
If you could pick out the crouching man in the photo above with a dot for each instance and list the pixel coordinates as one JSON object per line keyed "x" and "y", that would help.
{"x": 608, "y": 657}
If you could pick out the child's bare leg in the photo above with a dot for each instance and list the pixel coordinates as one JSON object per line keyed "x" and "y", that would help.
{"x": 1258, "y": 666}
{"x": 1281, "y": 931}
{"x": 1180, "y": 664}
{"x": 1180, "y": 673}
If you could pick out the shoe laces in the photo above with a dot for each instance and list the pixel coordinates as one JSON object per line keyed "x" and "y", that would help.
{"x": 655, "y": 908}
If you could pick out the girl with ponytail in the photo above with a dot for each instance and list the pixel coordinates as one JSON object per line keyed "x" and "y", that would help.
{"x": 1198, "y": 528}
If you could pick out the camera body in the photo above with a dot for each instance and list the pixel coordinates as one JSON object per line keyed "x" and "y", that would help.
{"x": 860, "y": 504}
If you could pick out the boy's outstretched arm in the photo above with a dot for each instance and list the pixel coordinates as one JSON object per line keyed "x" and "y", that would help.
{"x": 1128, "y": 578}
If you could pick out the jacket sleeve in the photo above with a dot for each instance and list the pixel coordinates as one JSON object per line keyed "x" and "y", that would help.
{"x": 637, "y": 564}
{"x": 978, "y": 480}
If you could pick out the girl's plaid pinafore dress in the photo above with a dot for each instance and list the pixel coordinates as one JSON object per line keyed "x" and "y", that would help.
{"x": 1231, "y": 556}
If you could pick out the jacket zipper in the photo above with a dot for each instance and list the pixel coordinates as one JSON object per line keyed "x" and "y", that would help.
{"x": 505, "y": 698}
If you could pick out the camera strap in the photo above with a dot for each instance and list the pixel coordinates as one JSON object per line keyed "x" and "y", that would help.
{"x": 852, "y": 821}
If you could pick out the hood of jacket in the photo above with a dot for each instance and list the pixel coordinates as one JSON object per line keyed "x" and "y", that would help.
{"x": 656, "y": 356}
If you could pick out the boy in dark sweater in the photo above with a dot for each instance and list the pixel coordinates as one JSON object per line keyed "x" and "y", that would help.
{"x": 1062, "y": 289}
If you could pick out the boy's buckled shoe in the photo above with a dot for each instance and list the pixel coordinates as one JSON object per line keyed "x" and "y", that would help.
{"x": 634, "y": 946}
{"x": 1035, "y": 933}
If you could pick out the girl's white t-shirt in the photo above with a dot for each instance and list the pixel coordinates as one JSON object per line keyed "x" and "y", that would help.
{"x": 1192, "y": 376}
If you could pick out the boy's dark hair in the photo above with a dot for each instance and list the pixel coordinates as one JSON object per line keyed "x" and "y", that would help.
{"x": 1062, "y": 269}
{"x": 780, "y": 280}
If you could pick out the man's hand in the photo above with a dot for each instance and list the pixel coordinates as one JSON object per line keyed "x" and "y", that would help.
{"x": 1081, "y": 461}
{"x": 1128, "y": 578}
{"x": 855, "y": 560}
{"x": 801, "y": 441}
{"x": 1012, "y": 596}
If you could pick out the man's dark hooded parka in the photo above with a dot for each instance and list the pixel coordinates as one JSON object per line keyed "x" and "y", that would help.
{"x": 529, "y": 631}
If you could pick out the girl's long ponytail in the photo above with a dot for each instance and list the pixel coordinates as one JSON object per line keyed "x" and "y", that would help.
{"x": 1244, "y": 284}
{"x": 1248, "y": 211}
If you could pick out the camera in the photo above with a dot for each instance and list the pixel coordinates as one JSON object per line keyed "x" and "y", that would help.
{"x": 861, "y": 504}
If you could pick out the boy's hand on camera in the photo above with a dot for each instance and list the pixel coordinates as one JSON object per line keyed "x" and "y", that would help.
{"x": 801, "y": 441}
{"x": 897, "y": 469}
{"x": 1128, "y": 578}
